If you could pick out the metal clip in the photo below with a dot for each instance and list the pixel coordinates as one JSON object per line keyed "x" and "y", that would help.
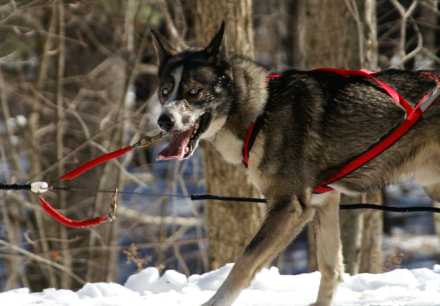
{"x": 39, "y": 187}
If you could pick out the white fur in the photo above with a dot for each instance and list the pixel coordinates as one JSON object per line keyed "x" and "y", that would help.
{"x": 177, "y": 76}
{"x": 320, "y": 199}
{"x": 213, "y": 128}
{"x": 184, "y": 117}
{"x": 229, "y": 146}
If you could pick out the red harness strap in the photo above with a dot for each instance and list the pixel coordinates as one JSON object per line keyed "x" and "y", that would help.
{"x": 247, "y": 144}
{"x": 71, "y": 175}
{"x": 413, "y": 115}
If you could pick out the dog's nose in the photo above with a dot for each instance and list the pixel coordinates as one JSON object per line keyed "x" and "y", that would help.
{"x": 166, "y": 122}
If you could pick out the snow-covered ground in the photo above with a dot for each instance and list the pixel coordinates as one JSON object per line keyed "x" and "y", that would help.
{"x": 419, "y": 287}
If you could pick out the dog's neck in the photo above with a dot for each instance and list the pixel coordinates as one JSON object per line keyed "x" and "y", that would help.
{"x": 250, "y": 82}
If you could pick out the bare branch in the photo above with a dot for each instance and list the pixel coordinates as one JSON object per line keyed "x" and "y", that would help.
{"x": 134, "y": 215}
{"x": 417, "y": 49}
{"x": 175, "y": 36}
{"x": 405, "y": 14}
{"x": 43, "y": 260}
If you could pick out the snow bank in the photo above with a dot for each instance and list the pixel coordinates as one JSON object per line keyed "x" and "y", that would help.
{"x": 419, "y": 287}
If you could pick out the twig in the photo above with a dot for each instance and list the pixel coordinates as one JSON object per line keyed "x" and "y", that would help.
{"x": 134, "y": 215}
{"x": 40, "y": 259}
{"x": 354, "y": 10}
{"x": 34, "y": 125}
{"x": 404, "y": 15}
{"x": 417, "y": 49}
{"x": 66, "y": 255}
{"x": 371, "y": 39}
{"x": 12, "y": 263}
{"x": 6, "y": 118}
{"x": 175, "y": 37}
{"x": 431, "y": 55}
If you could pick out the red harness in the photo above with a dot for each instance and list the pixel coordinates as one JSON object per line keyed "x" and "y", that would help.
{"x": 412, "y": 116}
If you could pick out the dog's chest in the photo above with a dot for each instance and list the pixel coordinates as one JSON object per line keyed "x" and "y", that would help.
{"x": 255, "y": 175}
{"x": 229, "y": 146}
{"x": 231, "y": 149}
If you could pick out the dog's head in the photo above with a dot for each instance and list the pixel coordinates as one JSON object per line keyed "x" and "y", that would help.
{"x": 195, "y": 94}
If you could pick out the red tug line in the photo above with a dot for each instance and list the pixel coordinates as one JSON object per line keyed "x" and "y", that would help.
{"x": 413, "y": 115}
{"x": 60, "y": 218}
{"x": 71, "y": 175}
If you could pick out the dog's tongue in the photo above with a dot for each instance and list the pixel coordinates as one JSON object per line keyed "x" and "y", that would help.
{"x": 176, "y": 147}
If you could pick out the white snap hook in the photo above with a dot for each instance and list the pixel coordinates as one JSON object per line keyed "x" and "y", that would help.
{"x": 39, "y": 187}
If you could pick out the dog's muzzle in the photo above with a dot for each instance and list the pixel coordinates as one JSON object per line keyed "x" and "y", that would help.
{"x": 166, "y": 122}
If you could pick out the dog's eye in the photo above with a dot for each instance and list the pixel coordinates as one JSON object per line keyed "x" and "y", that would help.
{"x": 194, "y": 91}
{"x": 164, "y": 91}
{"x": 166, "y": 88}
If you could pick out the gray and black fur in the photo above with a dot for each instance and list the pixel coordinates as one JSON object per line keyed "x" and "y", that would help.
{"x": 315, "y": 122}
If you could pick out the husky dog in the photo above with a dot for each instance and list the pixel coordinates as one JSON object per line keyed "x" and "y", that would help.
{"x": 315, "y": 121}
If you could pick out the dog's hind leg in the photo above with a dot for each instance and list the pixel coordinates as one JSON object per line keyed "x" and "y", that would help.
{"x": 434, "y": 193}
{"x": 329, "y": 248}
{"x": 283, "y": 222}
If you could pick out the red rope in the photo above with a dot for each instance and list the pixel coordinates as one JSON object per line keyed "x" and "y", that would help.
{"x": 375, "y": 151}
{"x": 56, "y": 215}
{"x": 245, "y": 159}
{"x": 94, "y": 163}
{"x": 413, "y": 115}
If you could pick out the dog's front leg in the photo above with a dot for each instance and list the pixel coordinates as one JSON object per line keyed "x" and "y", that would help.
{"x": 283, "y": 222}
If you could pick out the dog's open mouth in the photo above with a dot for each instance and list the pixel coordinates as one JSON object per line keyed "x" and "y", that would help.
{"x": 183, "y": 144}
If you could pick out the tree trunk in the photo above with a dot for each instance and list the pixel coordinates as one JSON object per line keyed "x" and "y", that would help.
{"x": 231, "y": 225}
{"x": 338, "y": 34}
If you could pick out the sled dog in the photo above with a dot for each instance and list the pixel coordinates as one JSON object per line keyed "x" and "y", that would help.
{"x": 313, "y": 123}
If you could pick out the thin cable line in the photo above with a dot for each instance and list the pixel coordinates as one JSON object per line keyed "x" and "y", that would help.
{"x": 112, "y": 191}
{"x": 212, "y": 197}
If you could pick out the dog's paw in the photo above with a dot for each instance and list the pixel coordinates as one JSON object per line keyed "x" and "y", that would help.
{"x": 211, "y": 303}
{"x": 321, "y": 304}
{"x": 215, "y": 302}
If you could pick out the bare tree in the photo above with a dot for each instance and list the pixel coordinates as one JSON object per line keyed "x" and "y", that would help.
{"x": 231, "y": 225}
{"x": 75, "y": 98}
{"x": 429, "y": 21}
{"x": 337, "y": 34}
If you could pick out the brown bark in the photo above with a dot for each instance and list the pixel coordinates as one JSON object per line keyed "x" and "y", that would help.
{"x": 343, "y": 35}
{"x": 75, "y": 101}
{"x": 326, "y": 37}
{"x": 231, "y": 225}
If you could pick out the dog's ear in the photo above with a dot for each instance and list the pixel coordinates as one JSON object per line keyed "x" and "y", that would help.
{"x": 214, "y": 46}
{"x": 162, "y": 47}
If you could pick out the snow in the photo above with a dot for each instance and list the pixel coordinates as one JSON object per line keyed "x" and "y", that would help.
{"x": 401, "y": 287}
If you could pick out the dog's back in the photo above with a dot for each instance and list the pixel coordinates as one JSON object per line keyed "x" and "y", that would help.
{"x": 328, "y": 119}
